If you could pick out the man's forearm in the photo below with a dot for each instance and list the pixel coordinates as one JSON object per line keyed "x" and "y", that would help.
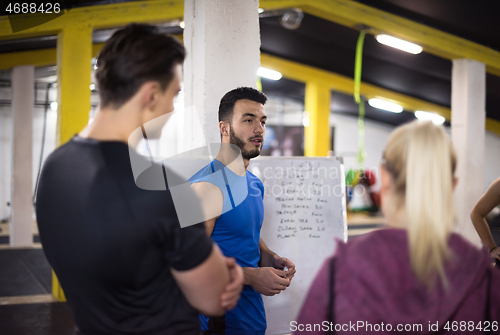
{"x": 267, "y": 258}
{"x": 266, "y": 255}
{"x": 248, "y": 275}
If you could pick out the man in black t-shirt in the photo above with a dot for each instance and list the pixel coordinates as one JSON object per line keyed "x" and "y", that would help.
{"x": 123, "y": 261}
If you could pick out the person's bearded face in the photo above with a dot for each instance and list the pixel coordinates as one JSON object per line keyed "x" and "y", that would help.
{"x": 247, "y": 153}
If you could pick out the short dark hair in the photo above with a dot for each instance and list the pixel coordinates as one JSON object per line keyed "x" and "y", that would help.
{"x": 132, "y": 56}
{"x": 229, "y": 99}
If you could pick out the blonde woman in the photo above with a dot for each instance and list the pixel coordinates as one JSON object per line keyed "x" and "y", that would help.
{"x": 484, "y": 206}
{"x": 416, "y": 276}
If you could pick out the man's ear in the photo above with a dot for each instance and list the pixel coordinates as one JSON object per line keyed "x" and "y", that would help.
{"x": 150, "y": 95}
{"x": 224, "y": 128}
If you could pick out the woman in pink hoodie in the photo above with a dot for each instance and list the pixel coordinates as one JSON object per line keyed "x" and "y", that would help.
{"x": 416, "y": 276}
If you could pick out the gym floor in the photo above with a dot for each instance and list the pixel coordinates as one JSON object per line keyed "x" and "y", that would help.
{"x": 27, "y": 306}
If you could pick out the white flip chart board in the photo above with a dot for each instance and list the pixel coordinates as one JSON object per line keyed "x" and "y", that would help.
{"x": 304, "y": 212}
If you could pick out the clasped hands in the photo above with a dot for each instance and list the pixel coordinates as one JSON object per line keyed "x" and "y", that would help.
{"x": 267, "y": 280}
{"x": 271, "y": 280}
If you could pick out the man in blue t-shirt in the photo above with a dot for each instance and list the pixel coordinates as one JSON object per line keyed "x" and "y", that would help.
{"x": 233, "y": 199}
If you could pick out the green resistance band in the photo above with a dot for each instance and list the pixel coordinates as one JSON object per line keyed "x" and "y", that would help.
{"x": 361, "y": 133}
{"x": 357, "y": 65}
{"x": 361, "y": 102}
{"x": 259, "y": 84}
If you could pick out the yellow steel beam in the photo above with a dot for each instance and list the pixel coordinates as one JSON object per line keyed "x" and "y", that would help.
{"x": 305, "y": 73}
{"x": 493, "y": 126}
{"x": 290, "y": 69}
{"x": 351, "y": 13}
{"x": 57, "y": 290}
{"x": 44, "y": 57}
{"x": 37, "y": 58}
{"x": 317, "y": 133}
{"x": 345, "y": 12}
{"x": 96, "y": 48}
{"x": 74, "y": 53}
{"x": 98, "y": 17}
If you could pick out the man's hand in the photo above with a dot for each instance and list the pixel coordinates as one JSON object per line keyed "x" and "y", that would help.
{"x": 267, "y": 280}
{"x": 281, "y": 262}
{"x": 232, "y": 292}
{"x": 495, "y": 253}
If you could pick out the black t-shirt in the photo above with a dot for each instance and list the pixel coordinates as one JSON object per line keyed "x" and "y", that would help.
{"x": 112, "y": 244}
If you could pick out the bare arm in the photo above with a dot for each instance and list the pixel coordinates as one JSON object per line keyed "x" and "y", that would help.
{"x": 211, "y": 200}
{"x": 270, "y": 278}
{"x": 232, "y": 291}
{"x": 209, "y": 226}
{"x": 485, "y": 205}
{"x": 266, "y": 280}
{"x": 270, "y": 258}
{"x": 267, "y": 256}
{"x": 203, "y": 286}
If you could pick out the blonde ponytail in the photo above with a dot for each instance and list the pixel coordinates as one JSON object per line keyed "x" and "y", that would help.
{"x": 423, "y": 163}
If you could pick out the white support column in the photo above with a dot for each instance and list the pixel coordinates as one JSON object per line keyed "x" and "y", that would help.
{"x": 21, "y": 226}
{"x": 468, "y": 118}
{"x": 222, "y": 39}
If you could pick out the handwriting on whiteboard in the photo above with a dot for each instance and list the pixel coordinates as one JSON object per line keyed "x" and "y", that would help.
{"x": 302, "y": 194}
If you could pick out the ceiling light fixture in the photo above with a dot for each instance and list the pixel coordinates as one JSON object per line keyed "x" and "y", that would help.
{"x": 261, "y": 10}
{"x": 385, "y": 105}
{"x": 399, "y": 44}
{"x": 426, "y": 116}
{"x": 269, "y": 74}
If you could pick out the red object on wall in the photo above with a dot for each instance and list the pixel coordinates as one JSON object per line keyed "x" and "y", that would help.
{"x": 371, "y": 177}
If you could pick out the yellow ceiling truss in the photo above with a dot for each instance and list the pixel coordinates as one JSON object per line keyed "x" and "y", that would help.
{"x": 345, "y": 12}
{"x": 289, "y": 69}
{"x": 98, "y": 17}
{"x": 351, "y": 14}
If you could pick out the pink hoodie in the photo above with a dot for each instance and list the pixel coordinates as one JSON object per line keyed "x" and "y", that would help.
{"x": 375, "y": 290}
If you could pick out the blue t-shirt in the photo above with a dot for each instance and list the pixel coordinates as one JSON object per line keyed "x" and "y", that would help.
{"x": 237, "y": 232}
